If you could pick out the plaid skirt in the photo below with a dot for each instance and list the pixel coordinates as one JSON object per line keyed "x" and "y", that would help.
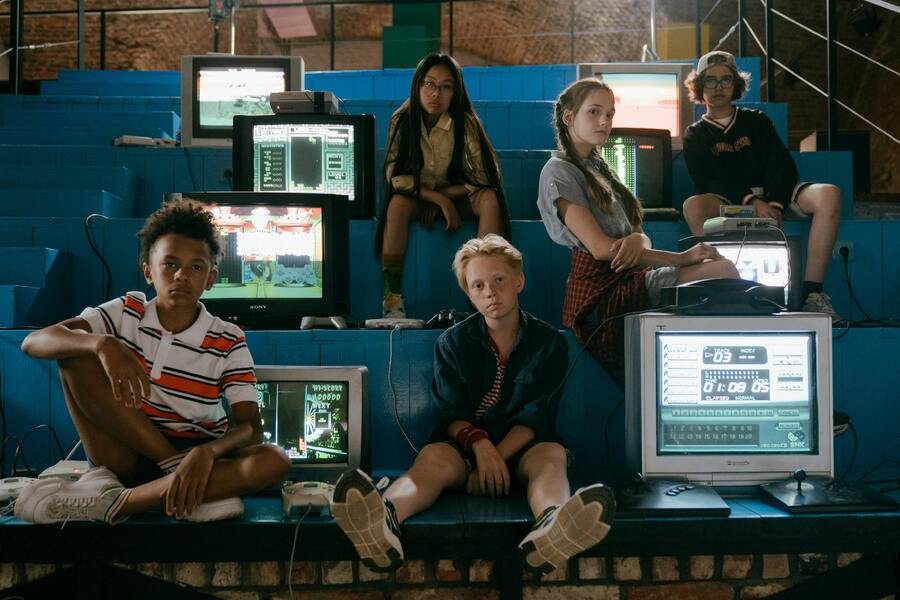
{"x": 594, "y": 292}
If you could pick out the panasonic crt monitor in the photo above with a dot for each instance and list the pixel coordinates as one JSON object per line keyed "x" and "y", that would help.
{"x": 318, "y": 415}
{"x": 217, "y": 87}
{"x": 284, "y": 257}
{"x": 650, "y": 94}
{"x": 308, "y": 153}
{"x": 728, "y": 401}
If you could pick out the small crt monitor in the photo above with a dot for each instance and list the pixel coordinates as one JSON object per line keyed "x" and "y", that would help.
{"x": 215, "y": 88}
{"x": 317, "y": 415}
{"x": 308, "y": 153}
{"x": 283, "y": 257}
{"x": 647, "y": 94}
{"x": 642, "y": 160}
{"x": 728, "y": 401}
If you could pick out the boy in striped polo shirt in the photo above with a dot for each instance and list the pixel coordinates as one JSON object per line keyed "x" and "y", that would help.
{"x": 143, "y": 382}
{"x": 498, "y": 378}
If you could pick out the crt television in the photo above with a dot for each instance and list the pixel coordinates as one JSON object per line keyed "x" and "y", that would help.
{"x": 307, "y": 153}
{"x": 642, "y": 159}
{"x": 318, "y": 415}
{"x": 765, "y": 256}
{"x": 284, "y": 257}
{"x": 647, "y": 94}
{"x": 728, "y": 401}
{"x": 217, "y": 87}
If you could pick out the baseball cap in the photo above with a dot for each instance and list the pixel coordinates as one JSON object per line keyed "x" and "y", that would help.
{"x": 716, "y": 57}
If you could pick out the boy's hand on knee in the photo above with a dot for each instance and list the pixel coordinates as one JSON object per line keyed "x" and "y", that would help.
{"x": 127, "y": 377}
{"x": 188, "y": 484}
{"x": 493, "y": 476}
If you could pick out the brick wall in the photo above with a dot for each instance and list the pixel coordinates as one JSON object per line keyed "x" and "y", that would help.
{"x": 728, "y": 577}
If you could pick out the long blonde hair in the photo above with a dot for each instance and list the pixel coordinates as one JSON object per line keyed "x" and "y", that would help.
{"x": 600, "y": 190}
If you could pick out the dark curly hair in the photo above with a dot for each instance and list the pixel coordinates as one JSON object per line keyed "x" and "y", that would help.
{"x": 179, "y": 217}
{"x": 694, "y": 85}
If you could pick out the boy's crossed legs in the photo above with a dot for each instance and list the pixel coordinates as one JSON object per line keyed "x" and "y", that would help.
{"x": 124, "y": 440}
{"x": 564, "y": 524}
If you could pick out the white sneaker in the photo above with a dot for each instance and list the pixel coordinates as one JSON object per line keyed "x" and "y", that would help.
{"x": 368, "y": 520}
{"x": 562, "y": 532}
{"x": 821, "y": 303}
{"x": 55, "y": 500}
{"x": 392, "y": 307}
{"x": 217, "y": 510}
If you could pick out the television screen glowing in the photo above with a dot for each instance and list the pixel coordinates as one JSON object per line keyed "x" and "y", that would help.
{"x": 648, "y": 100}
{"x": 309, "y": 419}
{"x": 223, "y": 92}
{"x": 268, "y": 252}
{"x": 305, "y": 158}
{"x": 767, "y": 264}
{"x": 731, "y": 393}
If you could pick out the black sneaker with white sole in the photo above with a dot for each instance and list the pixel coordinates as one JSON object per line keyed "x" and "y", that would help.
{"x": 561, "y": 532}
{"x": 368, "y": 520}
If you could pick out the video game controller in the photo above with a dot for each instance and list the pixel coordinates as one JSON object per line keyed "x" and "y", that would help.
{"x": 315, "y": 494}
{"x": 328, "y": 322}
{"x": 11, "y": 487}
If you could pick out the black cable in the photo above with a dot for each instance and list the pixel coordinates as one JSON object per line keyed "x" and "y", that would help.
{"x": 90, "y": 240}
{"x": 21, "y": 447}
{"x": 843, "y": 333}
{"x": 845, "y": 254}
{"x": 7, "y": 441}
{"x": 855, "y": 448}
{"x": 876, "y": 467}
{"x": 394, "y": 392}
{"x": 187, "y": 158}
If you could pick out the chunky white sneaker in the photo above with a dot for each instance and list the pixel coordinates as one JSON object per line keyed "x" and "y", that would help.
{"x": 368, "y": 520}
{"x": 562, "y": 532}
{"x": 55, "y": 500}
{"x": 392, "y": 307}
{"x": 216, "y": 510}
{"x": 821, "y": 303}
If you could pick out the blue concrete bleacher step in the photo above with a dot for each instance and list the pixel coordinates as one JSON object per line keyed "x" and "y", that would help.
{"x": 35, "y": 286}
{"x": 75, "y": 135}
{"x": 118, "y": 181}
{"x": 63, "y": 203}
{"x": 104, "y": 104}
{"x": 126, "y": 122}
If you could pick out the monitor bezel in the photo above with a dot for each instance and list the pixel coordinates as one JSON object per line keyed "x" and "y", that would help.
{"x": 192, "y": 133}
{"x": 662, "y": 135}
{"x": 722, "y": 470}
{"x": 286, "y": 313}
{"x": 242, "y": 167}
{"x": 680, "y": 69}
{"x": 358, "y": 451}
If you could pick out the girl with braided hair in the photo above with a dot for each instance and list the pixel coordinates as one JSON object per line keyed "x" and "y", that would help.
{"x": 586, "y": 208}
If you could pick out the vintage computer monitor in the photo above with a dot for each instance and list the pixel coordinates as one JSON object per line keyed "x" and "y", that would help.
{"x": 318, "y": 415}
{"x": 729, "y": 401}
{"x": 217, "y": 87}
{"x": 308, "y": 153}
{"x": 647, "y": 94}
{"x": 284, "y": 257}
{"x": 766, "y": 256}
{"x": 642, "y": 159}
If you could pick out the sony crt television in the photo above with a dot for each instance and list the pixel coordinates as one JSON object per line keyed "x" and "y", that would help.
{"x": 283, "y": 257}
{"x": 307, "y": 153}
{"x": 728, "y": 401}
{"x": 642, "y": 160}
{"x": 318, "y": 415}
{"x": 217, "y": 87}
{"x": 650, "y": 94}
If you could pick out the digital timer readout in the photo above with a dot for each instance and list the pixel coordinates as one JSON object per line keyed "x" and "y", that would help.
{"x": 734, "y": 355}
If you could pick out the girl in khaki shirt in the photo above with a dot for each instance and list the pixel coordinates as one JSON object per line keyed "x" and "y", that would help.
{"x": 452, "y": 171}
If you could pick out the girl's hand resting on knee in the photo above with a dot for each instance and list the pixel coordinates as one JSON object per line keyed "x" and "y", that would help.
{"x": 129, "y": 382}
{"x": 626, "y": 252}
{"x": 451, "y": 214}
{"x": 491, "y": 474}
{"x": 188, "y": 485}
{"x": 698, "y": 254}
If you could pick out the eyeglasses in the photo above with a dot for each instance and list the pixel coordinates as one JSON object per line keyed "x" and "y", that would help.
{"x": 711, "y": 83}
{"x": 432, "y": 86}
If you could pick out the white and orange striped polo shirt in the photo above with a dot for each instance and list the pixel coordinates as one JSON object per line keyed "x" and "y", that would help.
{"x": 189, "y": 371}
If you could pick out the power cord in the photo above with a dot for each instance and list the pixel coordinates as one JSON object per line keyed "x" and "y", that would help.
{"x": 90, "y": 241}
{"x": 845, "y": 255}
{"x": 187, "y": 159}
{"x": 394, "y": 392}
{"x": 293, "y": 549}
{"x": 20, "y": 448}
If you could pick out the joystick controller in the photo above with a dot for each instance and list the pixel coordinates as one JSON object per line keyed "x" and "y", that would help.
{"x": 799, "y": 476}
{"x": 326, "y": 322}
{"x": 313, "y": 494}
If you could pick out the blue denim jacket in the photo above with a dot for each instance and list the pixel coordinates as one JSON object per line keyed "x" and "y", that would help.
{"x": 464, "y": 370}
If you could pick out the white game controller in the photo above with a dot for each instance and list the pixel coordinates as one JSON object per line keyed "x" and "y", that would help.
{"x": 11, "y": 487}
{"x": 313, "y": 494}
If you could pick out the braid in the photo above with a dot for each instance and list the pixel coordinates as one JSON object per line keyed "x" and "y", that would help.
{"x": 631, "y": 204}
